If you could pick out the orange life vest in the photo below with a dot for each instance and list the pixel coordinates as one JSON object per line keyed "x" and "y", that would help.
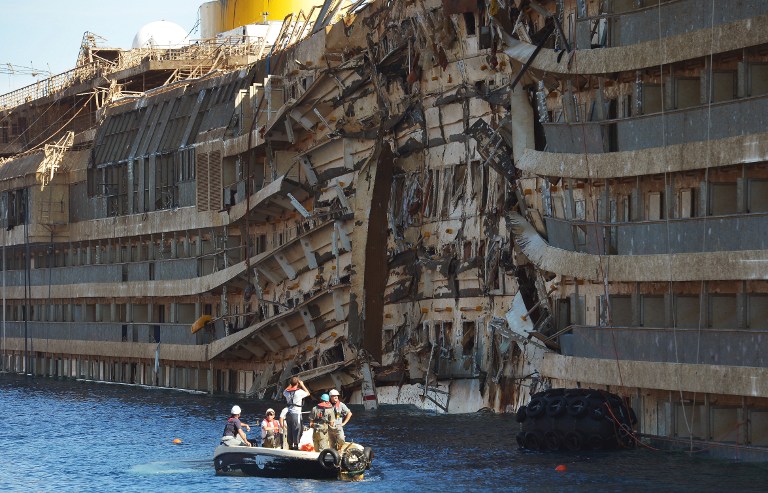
{"x": 273, "y": 425}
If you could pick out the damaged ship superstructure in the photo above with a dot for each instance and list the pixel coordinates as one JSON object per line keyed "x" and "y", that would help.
{"x": 452, "y": 204}
{"x": 327, "y": 200}
{"x": 647, "y": 202}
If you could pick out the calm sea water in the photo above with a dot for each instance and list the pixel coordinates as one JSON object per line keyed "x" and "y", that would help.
{"x": 78, "y": 436}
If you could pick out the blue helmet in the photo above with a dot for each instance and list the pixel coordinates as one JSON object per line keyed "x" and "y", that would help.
{"x": 325, "y": 398}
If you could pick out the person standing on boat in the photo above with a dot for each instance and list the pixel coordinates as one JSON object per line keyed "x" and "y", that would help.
{"x": 322, "y": 416}
{"x": 283, "y": 427}
{"x": 341, "y": 416}
{"x": 294, "y": 396}
{"x": 234, "y": 436}
{"x": 270, "y": 431}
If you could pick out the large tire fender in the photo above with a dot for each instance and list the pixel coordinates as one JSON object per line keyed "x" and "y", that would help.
{"x": 556, "y": 406}
{"x": 573, "y": 441}
{"x": 368, "y": 454}
{"x": 329, "y": 458}
{"x": 353, "y": 461}
{"x": 578, "y": 406}
{"x": 536, "y": 407}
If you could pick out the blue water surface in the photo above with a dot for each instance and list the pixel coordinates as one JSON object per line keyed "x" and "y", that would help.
{"x": 65, "y": 435}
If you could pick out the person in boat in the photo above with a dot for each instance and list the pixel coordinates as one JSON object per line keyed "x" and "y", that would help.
{"x": 294, "y": 394}
{"x": 321, "y": 418}
{"x": 284, "y": 427}
{"x": 341, "y": 416}
{"x": 270, "y": 431}
{"x": 234, "y": 436}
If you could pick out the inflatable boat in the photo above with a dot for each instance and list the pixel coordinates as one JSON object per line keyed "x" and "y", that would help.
{"x": 349, "y": 463}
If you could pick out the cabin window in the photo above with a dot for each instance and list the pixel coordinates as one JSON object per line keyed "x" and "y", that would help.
{"x": 655, "y": 206}
{"x": 757, "y": 196}
{"x": 723, "y": 199}
{"x": 687, "y": 312}
{"x": 686, "y": 203}
{"x": 723, "y": 86}
{"x": 469, "y": 22}
{"x": 757, "y": 311}
{"x": 759, "y": 428}
{"x": 459, "y": 177}
{"x": 652, "y": 310}
{"x": 690, "y": 422}
{"x": 468, "y": 338}
{"x": 722, "y": 311}
{"x": 687, "y": 92}
{"x": 651, "y": 99}
{"x": 758, "y": 79}
{"x": 620, "y": 311}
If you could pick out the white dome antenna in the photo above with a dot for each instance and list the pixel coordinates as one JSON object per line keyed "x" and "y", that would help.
{"x": 160, "y": 34}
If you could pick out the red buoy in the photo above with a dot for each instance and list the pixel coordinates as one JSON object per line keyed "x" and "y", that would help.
{"x": 561, "y": 468}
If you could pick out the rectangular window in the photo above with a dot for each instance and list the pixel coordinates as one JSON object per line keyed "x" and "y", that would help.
{"x": 758, "y": 82}
{"x": 757, "y": 196}
{"x": 655, "y": 207}
{"x": 723, "y": 198}
{"x": 757, "y": 311}
{"x": 686, "y": 203}
{"x": 620, "y": 311}
{"x": 722, "y": 311}
{"x": 688, "y": 93}
{"x": 687, "y": 312}
{"x": 724, "y": 86}
{"x": 653, "y": 311}
{"x": 468, "y": 338}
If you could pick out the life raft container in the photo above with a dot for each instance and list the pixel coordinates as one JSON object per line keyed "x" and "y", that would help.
{"x": 576, "y": 419}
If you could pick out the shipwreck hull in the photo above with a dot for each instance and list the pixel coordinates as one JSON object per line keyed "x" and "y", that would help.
{"x": 434, "y": 191}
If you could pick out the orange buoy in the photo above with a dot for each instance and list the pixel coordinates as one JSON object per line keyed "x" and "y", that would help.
{"x": 307, "y": 447}
{"x": 177, "y": 441}
{"x": 561, "y": 468}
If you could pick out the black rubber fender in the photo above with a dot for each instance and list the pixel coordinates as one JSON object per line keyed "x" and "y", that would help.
{"x": 329, "y": 458}
{"x": 595, "y": 442}
{"x": 368, "y": 454}
{"x": 556, "y": 406}
{"x": 553, "y": 440}
{"x": 536, "y": 407}
{"x": 626, "y": 436}
{"x": 573, "y": 441}
{"x": 521, "y": 439}
{"x": 534, "y": 440}
{"x": 578, "y": 406}
{"x": 353, "y": 461}
{"x": 521, "y": 414}
{"x": 598, "y": 412}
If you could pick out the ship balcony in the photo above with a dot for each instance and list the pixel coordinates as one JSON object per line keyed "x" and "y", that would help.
{"x": 41, "y": 334}
{"x": 688, "y": 345}
{"x": 659, "y": 20}
{"x": 722, "y": 120}
{"x": 311, "y": 319}
{"x": 316, "y": 244}
{"x": 700, "y": 265}
{"x": 744, "y": 30}
{"x": 730, "y": 233}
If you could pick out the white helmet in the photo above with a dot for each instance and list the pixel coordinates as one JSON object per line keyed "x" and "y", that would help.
{"x": 333, "y": 392}
{"x": 236, "y": 409}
